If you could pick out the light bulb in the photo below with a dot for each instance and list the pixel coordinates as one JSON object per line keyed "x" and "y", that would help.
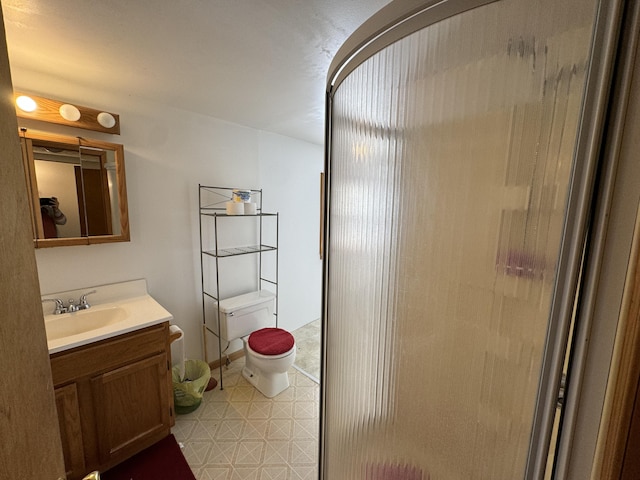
{"x": 26, "y": 104}
{"x": 106, "y": 119}
{"x": 69, "y": 112}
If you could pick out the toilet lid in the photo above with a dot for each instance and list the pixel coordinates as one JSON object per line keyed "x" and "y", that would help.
{"x": 271, "y": 341}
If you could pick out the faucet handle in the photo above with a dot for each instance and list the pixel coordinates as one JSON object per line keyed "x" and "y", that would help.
{"x": 83, "y": 297}
{"x": 60, "y": 308}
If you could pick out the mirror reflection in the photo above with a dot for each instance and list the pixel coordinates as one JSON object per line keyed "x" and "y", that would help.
{"x": 77, "y": 189}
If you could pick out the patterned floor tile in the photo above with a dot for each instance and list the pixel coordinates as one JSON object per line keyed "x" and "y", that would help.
{"x": 242, "y": 473}
{"x": 249, "y": 452}
{"x": 304, "y": 473}
{"x": 286, "y": 396}
{"x": 273, "y": 472}
{"x": 305, "y": 410}
{"x": 204, "y": 430}
{"x": 255, "y": 429}
{"x": 282, "y": 410}
{"x": 277, "y": 452}
{"x": 214, "y": 473}
{"x": 306, "y": 393}
{"x": 239, "y": 434}
{"x": 280, "y": 429}
{"x": 242, "y": 393}
{"x": 259, "y": 410}
{"x": 196, "y": 452}
{"x": 183, "y": 428}
{"x": 237, "y": 409}
{"x": 230, "y": 429}
{"x": 304, "y": 452}
{"x": 222, "y": 453}
{"x": 306, "y": 428}
{"x": 211, "y": 411}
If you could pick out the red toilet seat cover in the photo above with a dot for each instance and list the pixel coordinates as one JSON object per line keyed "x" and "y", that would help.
{"x": 271, "y": 341}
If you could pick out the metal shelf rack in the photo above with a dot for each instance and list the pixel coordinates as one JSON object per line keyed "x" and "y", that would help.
{"x": 212, "y": 209}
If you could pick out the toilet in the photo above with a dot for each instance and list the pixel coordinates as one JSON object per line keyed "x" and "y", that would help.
{"x": 269, "y": 351}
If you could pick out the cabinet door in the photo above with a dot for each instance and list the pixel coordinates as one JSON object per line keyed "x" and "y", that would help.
{"x": 131, "y": 407}
{"x": 70, "y": 430}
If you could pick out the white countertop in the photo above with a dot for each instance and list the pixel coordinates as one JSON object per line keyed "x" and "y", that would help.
{"x": 136, "y": 307}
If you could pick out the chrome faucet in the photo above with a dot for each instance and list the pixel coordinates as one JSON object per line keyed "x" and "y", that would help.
{"x": 73, "y": 306}
{"x": 60, "y": 308}
{"x": 82, "y": 305}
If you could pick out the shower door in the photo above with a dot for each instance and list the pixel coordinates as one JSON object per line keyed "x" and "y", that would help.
{"x": 460, "y": 167}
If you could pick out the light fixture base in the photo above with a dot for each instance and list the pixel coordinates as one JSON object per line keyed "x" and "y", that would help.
{"x": 65, "y": 113}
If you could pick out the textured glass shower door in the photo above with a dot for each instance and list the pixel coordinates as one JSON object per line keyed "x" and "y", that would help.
{"x": 451, "y": 159}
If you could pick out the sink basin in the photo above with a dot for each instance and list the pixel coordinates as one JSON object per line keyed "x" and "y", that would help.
{"x": 116, "y": 309}
{"x": 68, "y": 324}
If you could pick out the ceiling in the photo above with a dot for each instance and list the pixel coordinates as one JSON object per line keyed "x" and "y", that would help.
{"x": 258, "y": 63}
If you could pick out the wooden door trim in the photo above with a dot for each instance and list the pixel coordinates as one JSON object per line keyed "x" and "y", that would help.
{"x": 624, "y": 381}
{"x": 624, "y": 374}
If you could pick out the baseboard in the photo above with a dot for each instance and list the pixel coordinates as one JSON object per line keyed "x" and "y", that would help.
{"x": 226, "y": 359}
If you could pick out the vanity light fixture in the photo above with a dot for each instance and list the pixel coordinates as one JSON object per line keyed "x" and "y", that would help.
{"x": 54, "y": 111}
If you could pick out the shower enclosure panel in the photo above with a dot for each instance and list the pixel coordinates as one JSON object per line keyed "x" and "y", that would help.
{"x": 451, "y": 164}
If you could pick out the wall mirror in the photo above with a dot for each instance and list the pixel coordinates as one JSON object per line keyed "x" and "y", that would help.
{"x": 77, "y": 189}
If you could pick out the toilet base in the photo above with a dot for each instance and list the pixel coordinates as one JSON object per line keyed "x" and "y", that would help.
{"x": 269, "y": 385}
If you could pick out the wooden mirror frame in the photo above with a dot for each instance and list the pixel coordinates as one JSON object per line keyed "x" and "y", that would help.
{"x": 27, "y": 137}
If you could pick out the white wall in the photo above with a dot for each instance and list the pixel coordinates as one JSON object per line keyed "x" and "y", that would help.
{"x": 168, "y": 152}
{"x": 290, "y": 176}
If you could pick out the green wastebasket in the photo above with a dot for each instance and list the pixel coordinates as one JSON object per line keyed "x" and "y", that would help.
{"x": 187, "y": 393}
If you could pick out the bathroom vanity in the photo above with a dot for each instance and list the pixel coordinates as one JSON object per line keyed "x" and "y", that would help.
{"x": 113, "y": 386}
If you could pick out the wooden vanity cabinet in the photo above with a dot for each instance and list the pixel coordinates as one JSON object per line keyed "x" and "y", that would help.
{"x": 114, "y": 398}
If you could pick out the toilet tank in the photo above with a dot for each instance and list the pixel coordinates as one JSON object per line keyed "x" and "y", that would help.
{"x": 243, "y": 314}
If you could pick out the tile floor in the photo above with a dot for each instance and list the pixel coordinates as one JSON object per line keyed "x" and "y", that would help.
{"x": 308, "y": 348}
{"x": 239, "y": 434}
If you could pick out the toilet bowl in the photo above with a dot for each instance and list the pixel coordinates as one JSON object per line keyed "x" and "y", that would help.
{"x": 269, "y": 353}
